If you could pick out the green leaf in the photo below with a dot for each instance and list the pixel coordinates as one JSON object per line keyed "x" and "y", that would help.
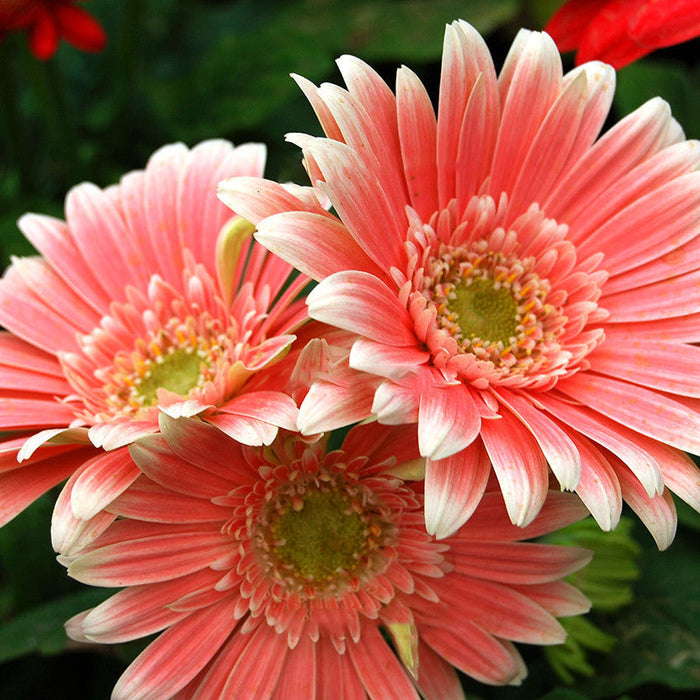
{"x": 659, "y": 636}
{"x": 41, "y": 629}
{"x": 649, "y": 78}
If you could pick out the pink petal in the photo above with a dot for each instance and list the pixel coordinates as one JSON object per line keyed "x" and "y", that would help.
{"x": 150, "y": 559}
{"x": 33, "y": 413}
{"x": 373, "y": 652}
{"x": 299, "y": 673}
{"x": 645, "y": 411}
{"x": 361, "y": 203}
{"x": 599, "y": 487}
{"x": 657, "y": 513}
{"x": 20, "y": 487}
{"x": 104, "y": 478}
{"x": 453, "y": 488}
{"x": 160, "y": 463}
{"x": 270, "y": 406}
{"x": 437, "y": 679}
{"x": 517, "y": 562}
{"x": 560, "y": 452}
{"x": 257, "y": 669}
{"x": 418, "y": 139}
{"x": 145, "y": 500}
{"x": 361, "y": 303}
{"x": 476, "y": 653}
{"x": 314, "y": 244}
{"x": 519, "y": 465}
{"x": 178, "y": 654}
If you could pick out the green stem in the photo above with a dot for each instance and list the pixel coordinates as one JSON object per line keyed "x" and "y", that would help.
{"x": 47, "y": 83}
{"x": 10, "y": 121}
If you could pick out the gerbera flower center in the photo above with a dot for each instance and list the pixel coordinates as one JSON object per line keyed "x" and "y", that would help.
{"x": 180, "y": 357}
{"x": 493, "y": 304}
{"x": 321, "y": 535}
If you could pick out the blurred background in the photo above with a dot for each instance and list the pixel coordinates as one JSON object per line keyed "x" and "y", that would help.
{"x": 190, "y": 70}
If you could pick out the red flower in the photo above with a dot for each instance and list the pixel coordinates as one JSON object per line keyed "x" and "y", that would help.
{"x": 47, "y": 21}
{"x": 621, "y": 31}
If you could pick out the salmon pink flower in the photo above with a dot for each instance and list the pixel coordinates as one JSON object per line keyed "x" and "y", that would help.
{"x": 621, "y": 31}
{"x": 49, "y": 21}
{"x": 150, "y": 297}
{"x": 282, "y": 572}
{"x": 525, "y": 293}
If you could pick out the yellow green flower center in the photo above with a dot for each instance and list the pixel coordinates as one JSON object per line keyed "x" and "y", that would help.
{"x": 320, "y": 535}
{"x": 484, "y": 311}
{"x": 179, "y": 371}
{"x": 323, "y": 537}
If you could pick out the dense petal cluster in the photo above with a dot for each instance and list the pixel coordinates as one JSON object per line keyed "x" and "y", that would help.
{"x": 48, "y": 21}
{"x": 621, "y": 31}
{"x": 524, "y": 291}
{"x": 283, "y": 571}
{"x": 149, "y": 297}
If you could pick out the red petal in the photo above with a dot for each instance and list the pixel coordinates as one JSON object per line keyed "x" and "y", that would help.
{"x": 79, "y": 28}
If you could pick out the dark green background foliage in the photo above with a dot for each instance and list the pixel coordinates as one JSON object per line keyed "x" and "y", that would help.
{"x": 194, "y": 69}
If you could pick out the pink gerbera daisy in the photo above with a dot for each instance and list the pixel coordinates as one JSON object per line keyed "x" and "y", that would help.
{"x": 150, "y": 297}
{"x": 524, "y": 293}
{"x": 282, "y": 572}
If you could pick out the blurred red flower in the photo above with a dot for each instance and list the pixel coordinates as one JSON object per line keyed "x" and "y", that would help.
{"x": 621, "y": 31}
{"x": 48, "y": 21}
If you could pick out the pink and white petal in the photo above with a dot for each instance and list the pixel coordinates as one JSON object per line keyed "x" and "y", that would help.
{"x": 146, "y": 500}
{"x": 26, "y": 315}
{"x": 418, "y": 138}
{"x": 152, "y": 558}
{"x": 448, "y": 420}
{"x": 314, "y": 244}
{"x": 621, "y": 441}
{"x": 599, "y": 487}
{"x": 385, "y": 360}
{"x": 53, "y": 239}
{"x": 658, "y": 513}
{"x": 530, "y": 82}
{"x": 257, "y": 669}
{"x": 20, "y": 487}
{"x": 270, "y": 406}
{"x": 454, "y": 487}
{"x": 632, "y": 140}
{"x": 120, "y": 432}
{"x": 373, "y": 652}
{"x": 361, "y": 303}
{"x": 179, "y": 653}
{"x": 549, "y": 149}
{"x": 519, "y": 465}
{"x": 561, "y": 453}
{"x": 360, "y": 201}
{"x": 396, "y": 403}
{"x": 141, "y": 610}
{"x": 648, "y": 412}
{"x": 437, "y": 679}
{"x": 246, "y": 430}
{"x": 162, "y": 464}
{"x": 105, "y": 477}
{"x": 323, "y": 114}
{"x": 69, "y": 535}
{"x": 681, "y": 474}
{"x": 465, "y": 58}
{"x": 330, "y": 405}
{"x": 200, "y": 444}
{"x": 476, "y": 653}
{"x": 55, "y": 436}
{"x": 114, "y": 255}
{"x": 255, "y": 199}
